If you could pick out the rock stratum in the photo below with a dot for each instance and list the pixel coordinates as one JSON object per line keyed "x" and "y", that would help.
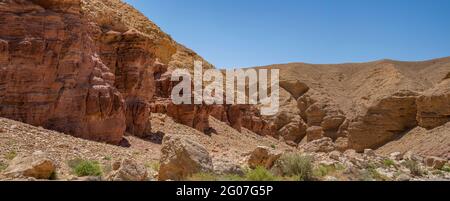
{"x": 100, "y": 70}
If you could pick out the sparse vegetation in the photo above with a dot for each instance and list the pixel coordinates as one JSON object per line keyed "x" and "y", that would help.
{"x": 446, "y": 168}
{"x": 203, "y": 177}
{"x": 153, "y": 166}
{"x": 388, "y": 162}
{"x": 10, "y": 155}
{"x": 215, "y": 177}
{"x": 273, "y": 146}
{"x": 107, "y": 158}
{"x": 83, "y": 168}
{"x": 414, "y": 167}
{"x": 54, "y": 176}
{"x": 326, "y": 170}
{"x": 3, "y": 166}
{"x": 296, "y": 165}
{"x": 259, "y": 174}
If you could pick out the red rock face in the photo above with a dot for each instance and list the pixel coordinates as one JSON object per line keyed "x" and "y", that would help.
{"x": 67, "y": 66}
{"x": 52, "y": 75}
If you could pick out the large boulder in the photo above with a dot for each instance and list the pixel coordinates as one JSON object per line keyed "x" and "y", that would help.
{"x": 36, "y": 165}
{"x": 314, "y": 133}
{"x": 264, "y": 157}
{"x": 128, "y": 170}
{"x": 182, "y": 157}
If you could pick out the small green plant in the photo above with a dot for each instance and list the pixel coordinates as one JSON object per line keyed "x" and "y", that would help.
{"x": 259, "y": 174}
{"x": 85, "y": 167}
{"x": 202, "y": 177}
{"x": 54, "y": 176}
{"x": 296, "y": 165}
{"x": 215, "y": 177}
{"x": 153, "y": 165}
{"x": 107, "y": 158}
{"x": 446, "y": 168}
{"x": 3, "y": 166}
{"x": 414, "y": 167}
{"x": 231, "y": 177}
{"x": 273, "y": 146}
{"x": 10, "y": 155}
{"x": 388, "y": 162}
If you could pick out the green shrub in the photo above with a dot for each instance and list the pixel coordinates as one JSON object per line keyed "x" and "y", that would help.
{"x": 202, "y": 177}
{"x": 446, "y": 168}
{"x": 296, "y": 165}
{"x": 259, "y": 174}
{"x": 231, "y": 177}
{"x": 388, "y": 162}
{"x": 215, "y": 177}
{"x": 414, "y": 167}
{"x": 3, "y": 166}
{"x": 83, "y": 168}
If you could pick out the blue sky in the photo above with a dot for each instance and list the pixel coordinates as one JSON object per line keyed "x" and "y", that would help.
{"x": 244, "y": 33}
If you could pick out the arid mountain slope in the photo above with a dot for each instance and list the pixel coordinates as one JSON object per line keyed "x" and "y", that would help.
{"x": 367, "y": 105}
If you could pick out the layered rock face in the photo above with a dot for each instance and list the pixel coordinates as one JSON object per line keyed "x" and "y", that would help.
{"x": 362, "y": 105}
{"x": 384, "y": 121}
{"x": 52, "y": 74}
{"x": 86, "y": 68}
{"x": 433, "y": 107}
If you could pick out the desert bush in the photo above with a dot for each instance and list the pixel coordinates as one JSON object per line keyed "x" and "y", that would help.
{"x": 414, "y": 167}
{"x": 388, "y": 162}
{"x": 83, "y": 168}
{"x": 215, "y": 177}
{"x": 202, "y": 177}
{"x": 3, "y": 166}
{"x": 296, "y": 165}
{"x": 446, "y": 168}
{"x": 259, "y": 174}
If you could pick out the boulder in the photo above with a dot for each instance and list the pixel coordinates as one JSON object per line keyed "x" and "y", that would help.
{"x": 128, "y": 170}
{"x": 264, "y": 157}
{"x": 182, "y": 157}
{"x": 435, "y": 162}
{"x": 314, "y": 133}
{"x": 321, "y": 145}
{"x": 36, "y": 165}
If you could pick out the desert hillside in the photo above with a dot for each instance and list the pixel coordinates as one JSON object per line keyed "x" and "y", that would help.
{"x": 85, "y": 95}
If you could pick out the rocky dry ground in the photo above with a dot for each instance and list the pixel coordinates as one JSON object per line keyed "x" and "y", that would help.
{"x": 99, "y": 70}
{"x": 189, "y": 155}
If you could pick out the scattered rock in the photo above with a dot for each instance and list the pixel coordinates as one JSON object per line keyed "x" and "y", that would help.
{"x": 341, "y": 144}
{"x": 37, "y": 165}
{"x": 314, "y": 133}
{"x": 322, "y": 145}
{"x": 435, "y": 162}
{"x": 128, "y": 170}
{"x": 369, "y": 152}
{"x": 182, "y": 157}
{"x": 396, "y": 156}
{"x": 403, "y": 177}
{"x": 336, "y": 155}
{"x": 263, "y": 156}
{"x": 223, "y": 167}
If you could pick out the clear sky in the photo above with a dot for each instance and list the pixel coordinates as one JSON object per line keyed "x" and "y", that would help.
{"x": 244, "y": 33}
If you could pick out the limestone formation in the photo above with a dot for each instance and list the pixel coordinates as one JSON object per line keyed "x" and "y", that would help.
{"x": 181, "y": 157}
